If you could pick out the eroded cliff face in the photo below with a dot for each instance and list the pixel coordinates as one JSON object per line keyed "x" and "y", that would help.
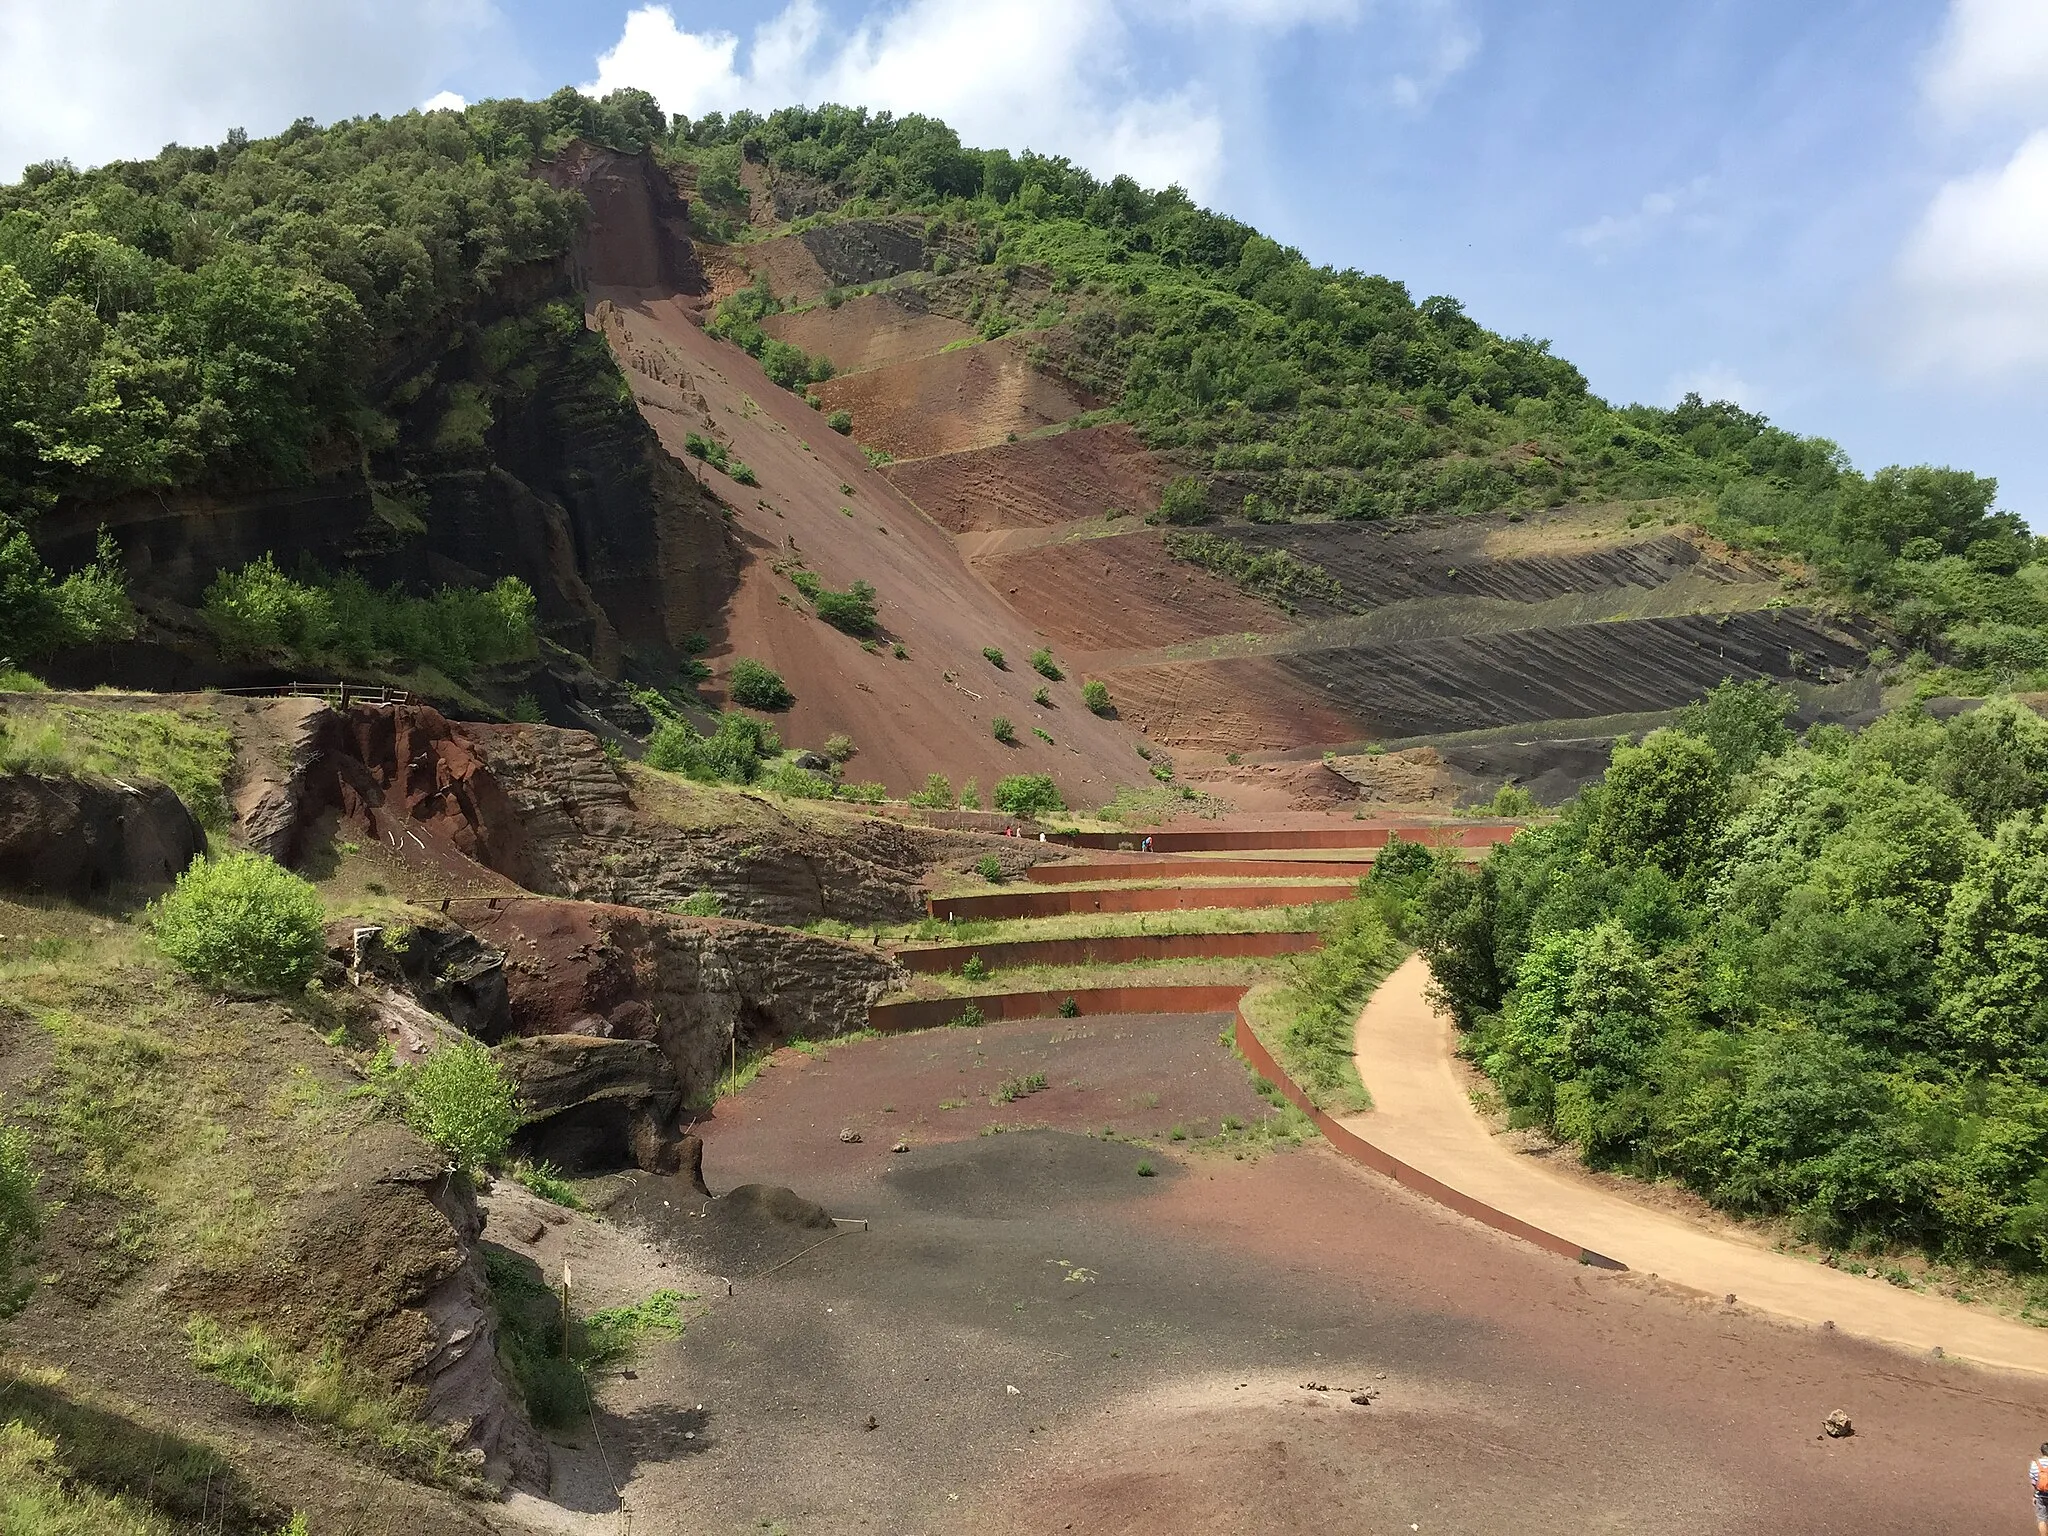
{"x": 505, "y": 443}
{"x": 695, "y": 987}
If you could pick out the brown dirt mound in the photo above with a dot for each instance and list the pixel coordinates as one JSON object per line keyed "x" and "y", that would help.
{"x": 867, "y": 332}
{"x": 930, "y": 711}
{"x": 1123, "y": 593}
{"x": 972, "y": 398}
{"x": 1042, "y": 481}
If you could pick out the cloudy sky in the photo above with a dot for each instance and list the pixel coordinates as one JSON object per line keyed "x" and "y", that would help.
{"x": 1834, "y": 212}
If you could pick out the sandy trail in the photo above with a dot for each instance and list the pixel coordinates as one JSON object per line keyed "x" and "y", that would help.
{"x": 1421, "y": 1115}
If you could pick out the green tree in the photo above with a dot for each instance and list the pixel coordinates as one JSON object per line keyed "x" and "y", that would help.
{"x": 1028, "y": 794}
{"x": 757, "y": 686}
{"x": 1662, "y": 802}
{"x": 1994, "y": 761}
{"x": 1993, "y": 972}
{"x": 460, "y": 1099}
{"x": 1743, "y": 722}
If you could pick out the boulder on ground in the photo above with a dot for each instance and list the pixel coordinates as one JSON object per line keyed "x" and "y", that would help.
{"x": 593, "y": 1105}
{"x": 81, "y": 837}
{"x": 449, "y": 970}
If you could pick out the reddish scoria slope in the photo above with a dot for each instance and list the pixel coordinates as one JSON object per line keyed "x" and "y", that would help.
{"x": 929, "y": 712}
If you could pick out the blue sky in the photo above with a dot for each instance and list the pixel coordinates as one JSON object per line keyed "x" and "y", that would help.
{"x": 1836, "y": 212}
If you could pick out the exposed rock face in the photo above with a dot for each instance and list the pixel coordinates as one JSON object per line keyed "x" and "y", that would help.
{"x": 638, "y": 234}
{"x": 594, "y": 1105}
{"x": 83, "y": 837}
{"x": 447, "y": 969}
{"x": 382, "y": 1257}
{"x": 865, "y": 250}
{"x": 693, "y": 986}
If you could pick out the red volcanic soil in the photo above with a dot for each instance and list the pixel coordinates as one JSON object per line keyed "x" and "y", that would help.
{"x": 866, "y": 332}
{"x": 1087, "y": 472}
{"x": 1021, "y": 1334}
{"x": 909, "y": 717}
{"x": 1122, "y": 593}
{"x": 971, "y": 398}
{"x": 1238, "y": 704}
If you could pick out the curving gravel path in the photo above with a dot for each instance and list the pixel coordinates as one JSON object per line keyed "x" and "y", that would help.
{"x": 1421, "y": 1115}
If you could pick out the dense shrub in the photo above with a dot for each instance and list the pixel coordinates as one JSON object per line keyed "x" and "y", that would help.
{"x": 1185, "y": 500}
{"x": 1028, "y": 794}
{"x": 1811, "y": 987}
{"x": 732, "y": 754}
{"x": 461, "y": 1100}
{"x": 40, "y": 614}
{"x": 1095, "y": 694}
{"x": 242, "y": 919}
{"x": 936, "y": 795}
{"x": 757, "y": 686}
{"x": 840, "y": 422}
{"x": 1003, "y": 731}
{"x": 852, "y": 610}
{"x": 1043, "y": 664}
{"x": 995, "y": 658}
{"x": 260, "y": 611}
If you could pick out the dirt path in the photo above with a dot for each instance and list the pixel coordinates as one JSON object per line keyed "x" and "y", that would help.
{"x": 1422, "y": 1116}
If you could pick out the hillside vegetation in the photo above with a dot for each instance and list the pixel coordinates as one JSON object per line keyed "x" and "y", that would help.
{"x": 231, "y": 314}
{"x": 1803, "y": 979}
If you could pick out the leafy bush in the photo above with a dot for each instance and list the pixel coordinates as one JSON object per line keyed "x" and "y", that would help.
{"x": 839, "y": 747}
{"x": 840, "y": 422}
{"x": 460, "y": 1099}
{"x": 743, "y": 474}
{"x": 259, "y": 610}
{"x": 757, "y": 686}
{"x": 1043, "y": 664}
{"x": 1042, "y": 735}
{"x": 995, "y": 658}
{"x": 1095, "y": 694}
{"x": 794, "y": 783}
{"x": 852, "y": 610}
{"x": 40, "y": 614}
{"x": 1185, "y": 500}
{"x": 1042, "y": 698}
{"x": 242, "y": 919}
{"x": 1028, "y": 795}
{"x": 974, "y": 969}
{"x": 990, "y": 868}
{"x": 1070, "y": 1008}
{"x": 937, "y": 794}
{"x": 970, "y": 796}
{"x": 701, "y": 904}
{"x": 1003, "y": 731}
{"x": 732, "y": 754}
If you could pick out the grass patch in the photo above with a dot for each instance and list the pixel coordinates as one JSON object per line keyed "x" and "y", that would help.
{"x": 551, "y": 1371}
{"x": 323, "y": 1389}
{"x": 1309, "y": 1022}
{"x": 1018, "y": 1087}
{"x": 187, "y": 749}
{"x": 543, "y": 1180}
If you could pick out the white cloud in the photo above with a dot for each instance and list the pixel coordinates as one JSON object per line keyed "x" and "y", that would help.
{"x": 1453, "y": 43}
{"x": 444, "y": 101}
{"x": 1616, "y": 231}
{"x": 1992, "y": 58}
{"x": 94, "y": 80}
{"x": 1058, "y": 76}
{"x": 1975, "y": 270}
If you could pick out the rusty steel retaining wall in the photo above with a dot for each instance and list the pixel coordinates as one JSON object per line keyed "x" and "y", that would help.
{"x": 1199, "y": 869}
{"x": 1110, "y": 951}
{"x": 1462, "y": 834}
{"x": 934, "y": 1013}
{"x": 1359, "y": 1150}
{"x": 1178, "y": 898}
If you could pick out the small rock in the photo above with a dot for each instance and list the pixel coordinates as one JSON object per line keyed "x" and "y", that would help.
{"x": 1936, "y": 1353}
{"x": 1731, "y": 1298}
{"x": 1363, "y": 1399}
{"x": 901, "y": 1146}
{"x": 1013, "y": 1392}
{"x": 873, "y": 1422}
{"x": 849, "y": 1137}
{"x": 1836, "y": 1426}
{"x": 1314, "y": 1386}
{"x": 526, "y": 1229}
{"x": 1828, "y": 1326}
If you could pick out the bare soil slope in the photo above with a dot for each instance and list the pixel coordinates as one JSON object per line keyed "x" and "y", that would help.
{"x": 973, "y": 397}
{"x": 929, "y": 710}
{"x": 1061, "y": 478}
{"x": 866, "y": 332}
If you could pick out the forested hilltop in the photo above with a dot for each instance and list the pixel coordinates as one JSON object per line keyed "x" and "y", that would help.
{"x": 243, "y": 313}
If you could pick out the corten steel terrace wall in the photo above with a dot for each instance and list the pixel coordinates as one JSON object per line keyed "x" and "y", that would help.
{"x": 1110, "y": 951}
{"x": 1446, "y": 835}
{"x": 1178, "y": 898}
{"x": 934, "y": 1013}
{"x": 1359, "y": 1150}
{"x": 1198, "y": 869}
